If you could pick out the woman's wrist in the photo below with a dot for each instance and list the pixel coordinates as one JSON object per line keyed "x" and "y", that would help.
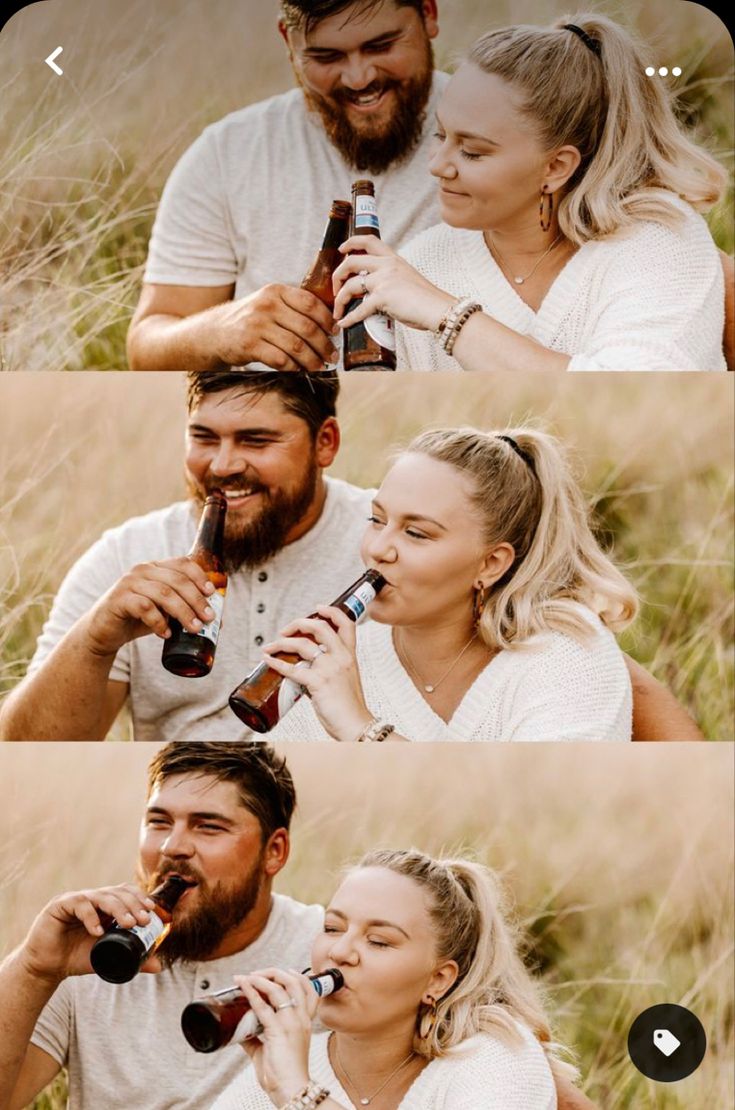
{"x": 283, "y": 1091}
{"x": 353, "y": 726}
{"x": 305, "y": 1097}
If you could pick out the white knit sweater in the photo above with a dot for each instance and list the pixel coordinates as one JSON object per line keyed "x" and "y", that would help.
{"x": 485, "y": 1074}
{"x": 652, "y": 299}
{"x": 556, "y": 688}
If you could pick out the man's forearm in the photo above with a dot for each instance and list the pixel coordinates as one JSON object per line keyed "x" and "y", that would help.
{"x": 174, "y": 342}
{"x": 64, "y": 700}
{"x": 22, "y": 997}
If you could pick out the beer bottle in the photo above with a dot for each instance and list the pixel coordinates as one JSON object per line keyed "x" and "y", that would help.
{"x": 371, "y": 344}
{"x": 319, "y": 278}
{"x": 191, "y": 654}
{"x": 264, "y": 696}
{"x": 118, "y": 954}
{"x": 225, "y": 1017}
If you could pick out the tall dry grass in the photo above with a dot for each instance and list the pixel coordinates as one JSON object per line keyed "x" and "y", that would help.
{"x": 83, "y": 157}
{"x": 654, "y": 453}
{"x": 618, "y": 859}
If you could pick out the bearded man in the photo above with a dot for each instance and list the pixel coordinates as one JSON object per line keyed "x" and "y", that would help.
{"x": 243, "y": 213}
{"x": 292, "y": 541}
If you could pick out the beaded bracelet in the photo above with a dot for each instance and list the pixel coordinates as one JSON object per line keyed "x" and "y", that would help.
{"x": 462, "y": 312}
{"x": 311, "y": 1096}
{"x": 376, "y": 732}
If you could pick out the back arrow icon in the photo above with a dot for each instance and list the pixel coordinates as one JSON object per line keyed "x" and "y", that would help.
{"x": 50, "y": 60}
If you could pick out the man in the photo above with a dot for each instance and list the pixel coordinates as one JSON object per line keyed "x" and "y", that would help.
{"x": 292, "y": 542}
{"x": 219, "y": 815}
{"x": 243, "y": 212}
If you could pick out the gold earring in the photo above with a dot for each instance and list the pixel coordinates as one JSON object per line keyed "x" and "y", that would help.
{"x": 427, "y": 1020}
{"x": 545, "y": 219}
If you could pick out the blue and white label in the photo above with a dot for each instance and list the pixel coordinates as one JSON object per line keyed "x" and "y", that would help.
{"x": 150, "y": 933}
{"x": 366, "y": 214}
{"x": 358, "y": 601}
{"x": 211, "y": 630}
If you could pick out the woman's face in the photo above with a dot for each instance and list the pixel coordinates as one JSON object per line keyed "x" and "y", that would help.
{"x": 425, "y": 538}
{"x": 489, "y": 163}
{"x": 378, "y": 933}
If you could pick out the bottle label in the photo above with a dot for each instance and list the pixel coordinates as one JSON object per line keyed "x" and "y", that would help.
{"x": 324, "y": 985}
{"x": 358, "y": 601}
{"x": 382, "y": 329}
{"x": 366, "y": 214}
{"x": 149, "y": 934}
{"x": 211, "y": 631}
{"x": 247, "y": 1028}
{"x": 289, "y": 693}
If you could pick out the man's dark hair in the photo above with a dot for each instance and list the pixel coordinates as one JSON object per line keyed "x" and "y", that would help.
{"x": 261, "y": 776}
{"x": 312, "y": 397}
{"x": 304, "y": 15}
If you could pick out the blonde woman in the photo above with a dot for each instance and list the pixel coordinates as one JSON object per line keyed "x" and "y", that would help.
{"x": 498, "y": 618}
{"x": 570, "y": 197}
{"x": 438, "y": 1011}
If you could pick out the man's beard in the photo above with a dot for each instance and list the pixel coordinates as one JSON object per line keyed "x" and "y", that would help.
{"x": 370, "y": 149}
{"x": 196, "y": 935}
{"x": 254, "y": 542}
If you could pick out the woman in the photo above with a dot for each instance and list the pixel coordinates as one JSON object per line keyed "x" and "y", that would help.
{"x": 571, "y": 236}
{"x": 437, "y": 1013}
{"x": 498, "y": 615}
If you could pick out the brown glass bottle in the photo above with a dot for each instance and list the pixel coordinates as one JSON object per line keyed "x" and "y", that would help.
{"x": 117, "y": 956}
{"x": 212, "y": 1022}
{"x": 191, "y": 654}
{"x": 370, "y": 344}
{"x": 319, "y": 278}
{"x": 264, "y": 696}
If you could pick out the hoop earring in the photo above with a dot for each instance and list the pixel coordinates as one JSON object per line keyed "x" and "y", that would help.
{"x": 545, "y": 220}
{"x": 427, "y": 1020}
{"x": 479, "y": 601}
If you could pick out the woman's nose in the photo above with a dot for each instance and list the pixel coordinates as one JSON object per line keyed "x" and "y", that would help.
{"x": 342, "y": 949}
{"x": 441, "y": 164}
{"x": 380, "y": 546}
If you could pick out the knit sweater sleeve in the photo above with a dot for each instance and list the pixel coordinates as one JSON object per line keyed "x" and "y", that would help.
{"x": 491, "y": 1074}
{"x": 656, "y": 302}
{"x": 571, "y": 690}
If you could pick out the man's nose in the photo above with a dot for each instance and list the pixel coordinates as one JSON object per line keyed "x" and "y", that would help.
{"x": 358, "y": 73}
{"x": 229, "y": 459}
{"x": 179, "y": 843}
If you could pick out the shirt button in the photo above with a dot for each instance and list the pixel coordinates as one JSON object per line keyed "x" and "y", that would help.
{"x": 204, "y": 984}
{"x": 263, "y": 576}
{"x": 260, "y": 607}
{"x": 259, "y": 640}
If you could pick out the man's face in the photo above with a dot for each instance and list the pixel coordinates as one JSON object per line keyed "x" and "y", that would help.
{"x": 265, "y": 461}
{"x": 196, "y": 826}
{"x": 367, "y": 73}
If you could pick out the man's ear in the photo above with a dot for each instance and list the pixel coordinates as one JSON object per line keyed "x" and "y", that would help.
{"x": 327, "y": 442}
{"x": 276, "y": 852}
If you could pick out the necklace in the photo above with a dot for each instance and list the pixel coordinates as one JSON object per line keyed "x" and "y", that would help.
{"x": 431, "y": 687}
{"x": 518, "y": 279}
{"x": 383, "y": 1085}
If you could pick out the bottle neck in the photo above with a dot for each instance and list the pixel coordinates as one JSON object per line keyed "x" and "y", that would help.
{"x": 211, "y": 531}
{"x": 168, "y": 893}
{"x": 337, "y": 230}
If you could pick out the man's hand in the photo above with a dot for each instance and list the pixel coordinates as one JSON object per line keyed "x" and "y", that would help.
{"x": 183, "y": 328}
{"x": 60, "y": 939}
{"x": 281, "y": 326}
{"x": 142, "y": 601}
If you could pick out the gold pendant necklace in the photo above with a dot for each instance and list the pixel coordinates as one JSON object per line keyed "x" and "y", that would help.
{"x": 366, "y": 1101}
{"x": 430, "y": 687}
{"x": 518, "y": 279}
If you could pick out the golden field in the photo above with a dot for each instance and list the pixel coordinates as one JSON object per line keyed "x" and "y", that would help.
{"x": 81, "y": 453}
{"x": 618, "y": 860}
{"x": 84, "y": 156}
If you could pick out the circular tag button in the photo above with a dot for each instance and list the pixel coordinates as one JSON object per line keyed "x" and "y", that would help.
{"x": 667, "y": 1043}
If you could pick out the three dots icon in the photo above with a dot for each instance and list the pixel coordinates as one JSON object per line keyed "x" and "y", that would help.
{"x": 663, "y": 71}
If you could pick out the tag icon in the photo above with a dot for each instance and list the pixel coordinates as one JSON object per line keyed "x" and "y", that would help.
{"x": 665, "y": 1041}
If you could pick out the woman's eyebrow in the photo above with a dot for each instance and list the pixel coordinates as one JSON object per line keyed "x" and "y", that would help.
{"x": 468, "y": 134}
{"x": 414, "y": 516}
{"x": 375, "y": 922}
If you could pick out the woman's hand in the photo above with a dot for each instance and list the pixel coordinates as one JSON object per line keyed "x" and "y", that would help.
{"x": 284, "y": 1003}
{"x": 328, "y": 670}
{"x": 393, "y": 286}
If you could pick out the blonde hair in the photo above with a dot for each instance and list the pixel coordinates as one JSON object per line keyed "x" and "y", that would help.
{"x": 526, "y": 495}
{"x": 472, "y": 926}
{"x": 634, "y": 153}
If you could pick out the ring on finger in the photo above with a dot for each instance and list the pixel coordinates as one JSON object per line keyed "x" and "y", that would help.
{"x": 286, "y": 1005}
{"x": 363, "y": 274}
